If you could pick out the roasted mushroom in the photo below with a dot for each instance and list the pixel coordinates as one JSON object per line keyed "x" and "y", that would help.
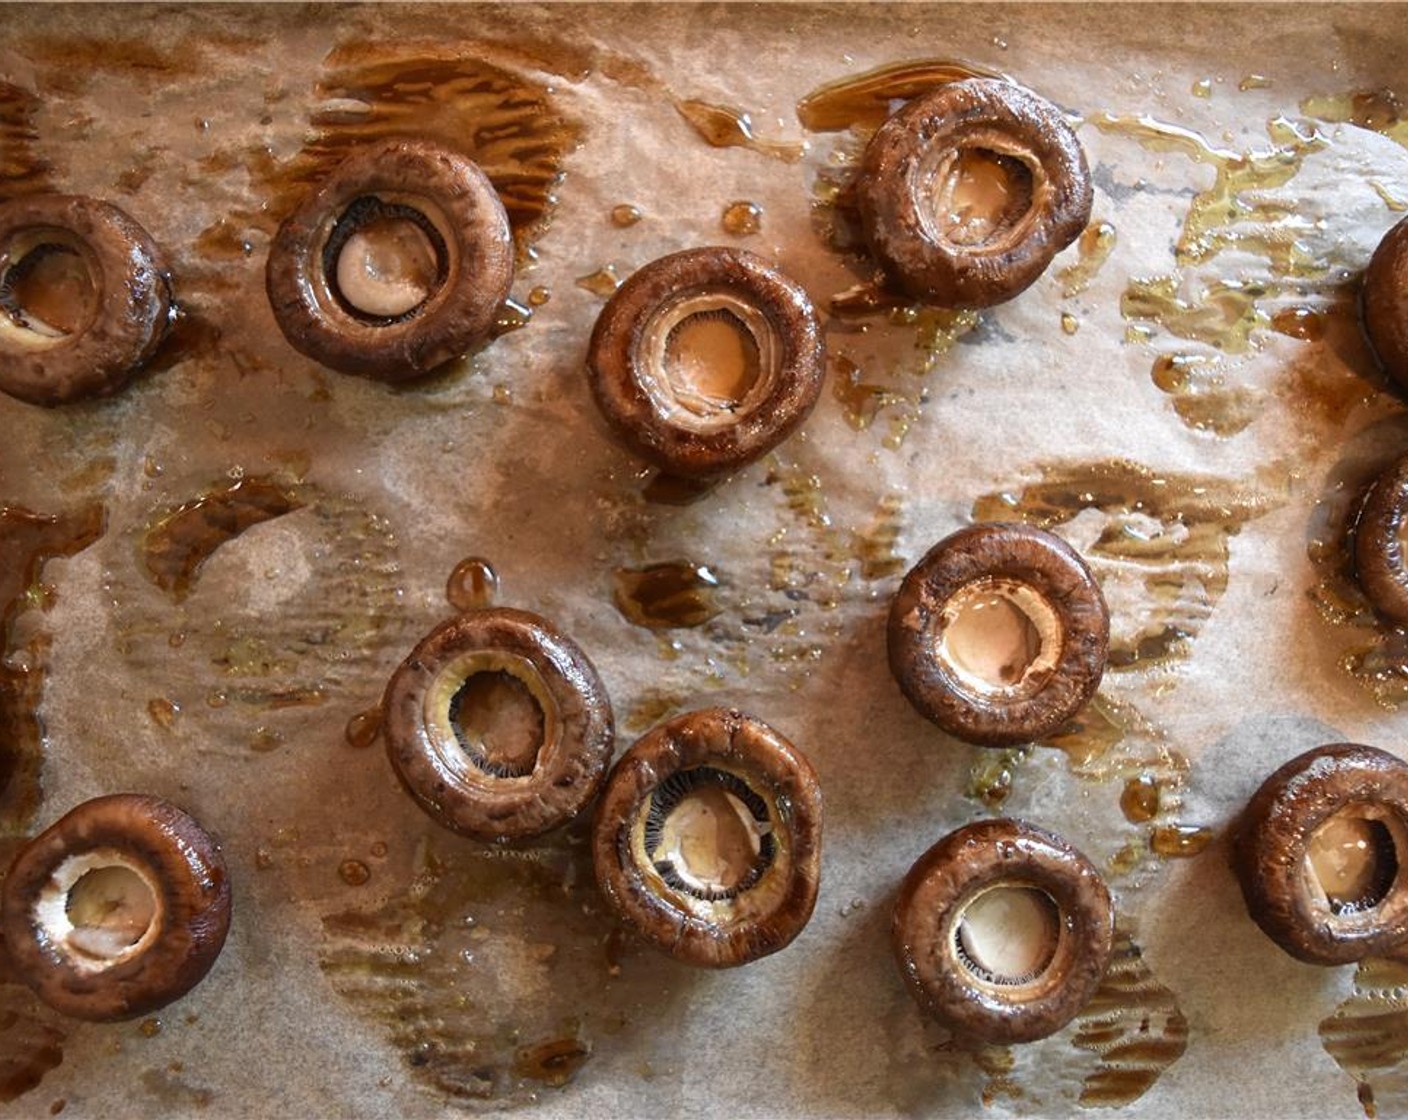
{"x": 999, "y": 634}
{"x": 1384, "y": 303}
{"x": 85, "y": 298}
{"x": 1381, "y": 544}
{"x": 397, "y": 264}
{"x": 1321, "y": 852}
{"x": 708, "y": 838}
{"x": 1002, "y": 932}
{"x": 968, "y": 192}
{"x": 498, "y": 725}
{"x": 705, "y": 360}
{"x": 116, "y": 910}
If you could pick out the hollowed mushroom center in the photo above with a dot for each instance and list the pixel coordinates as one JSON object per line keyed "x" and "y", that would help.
{"x": 999, "y": 637}
{"x": 977, "y": 194}
{"x": 99, "y": 908}
{"x": 1353, "y": 860}
{"x": 1008, "y": 935}
{"x": 708, "y": 834}
{"x": 49, "y": 289}
{"x": 708, "y": 359}
{"x": 385, "y": 259}
{"x": 499, "y": 723}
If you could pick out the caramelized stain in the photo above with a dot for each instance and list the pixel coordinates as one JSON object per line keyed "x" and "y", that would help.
{"x": 178, "y": 543}
{"x": 997, "y": 1063}
{"x": 1133, "y": 1024}
{"x": 1201, "y": 395}
{"x": 473, "y": 584}
{"x": 22, "y": 169}
{"x": 27, "y": 542}
{"x": 1167, "y": 534}
{"x": 726, "y": 126}
{"x": 673, "y": 595}
{"x": 864, "y": 101}
{"x": 1093, "y": 247}
{"x": 1367, "y": 1035}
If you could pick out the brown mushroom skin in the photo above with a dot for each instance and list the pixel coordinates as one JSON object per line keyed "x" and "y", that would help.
{"x": 1384, "y": 303}
{"x": 132, "y": 298}
{"x": 571, "y": 764}
{"x": 729, "y": 740}
{"x": 193, "y": 908}
{"x": 1007, "y": 853}
{"x": 614, "y": 362}
{"x": 1273, "y": 836}
{"x": 1379, "y": 560}
{"x": 1023, "y": 555}
{"x": 896, "y": 183}
{"x": 457, "y": 199}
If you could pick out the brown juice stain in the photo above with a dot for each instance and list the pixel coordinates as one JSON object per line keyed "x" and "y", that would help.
{"x": 1367, "y": 1035}
{"x": 22, "y": 169}
{"x": 1133, "y": 1024}
{"x": 27, "y": 542}
{"x": 864, "y": 101}
{"x": 874, "y": 546}
{"x": 68, "y": 64}
{"x": 673, "y": 595}
{"x": 1093, "y": 247}
{"x": 174, "y": 1094}
{"x": 1379, "y": 110}
{"x": 1301, "y": 323}
{"x": 31, "y": 1035}
{"x": 727, "y": 126}
{"x": 672, "y": 490}
{"x": 1201, "y": 396}
{"x": 490, "y": 974}
{"x": 742, "y": 218}
{"x": 603, "y": 282}
{"x": 862, "y": 401}
{"x": 473, "y": 585}
{"x": 178, "y": 543}
{"x": 997, "y": 1064}
{"x": 1167, "y": 532}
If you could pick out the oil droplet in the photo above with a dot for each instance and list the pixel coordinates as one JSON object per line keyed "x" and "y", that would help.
{"x": 511, "y": 316}
{"x": 1202, "y": 88}
{"x": 726, "y": 126}
{"x": 1254, "y": 81}
{"x": 667, "y": 596}
{"x": 538, "y": 296}
{"x": 1069, "y": 323}
{"x": 363, "y": 728}
{"x": 163, "y": 712}
{"x": 354, "y": 872}
{"x": 265, "y": 739}
{"x": 263, "y": 859}
{"x": 472, "y": 585}
{"x": 58, "y": 1106}
{"x": 742, "y": 218}
{"x": 625, "y": 215}
{"x": 553, "y": 1063}
{"x": 867, "y": 100}
{"x": 502, "y": 395}
{"x": 990, "y": 780}
{"x": 1179, "y": 841}
{"x": 150, "y": 1028}
{"x": 378, "y": 850}
{"x": 603, "y": 282}
{"x": 1093, "y": 248}
{"x": 1139, "y": 800}
{"x": 1299, "y": 322}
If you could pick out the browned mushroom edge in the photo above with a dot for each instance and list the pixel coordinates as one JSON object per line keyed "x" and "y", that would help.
{"x": 656, "y": 874}
{"x": 91, "y": 959}
{"x": 1053, "y": 609}
{"x": 498, "y": 725}
{"x": 929, "y": 936}
{"x": 1380, "y": 541}
{"x": 1383, "y": 303}
{"x": 705, "y": 360}
{"x": 1288, "y": 854}
{"x": 922, "y": 203}
{"x": 444, "y": 269}
{"x": 106, "y": 290}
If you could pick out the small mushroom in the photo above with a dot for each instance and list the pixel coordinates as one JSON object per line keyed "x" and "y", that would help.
{"x": 397, "y": 264}
{"x": 967, "y": 193}
{"x": 999, "y": 634}
{"x": 1381, "y": 543}
{"x": 708, "y": 838}
{"x": 1321, "y": 852}
{"x": 498, "y": 725}
{"x": 705, "y": 360}
{"x": 116, "y": 910}
{"x": 1003, "y": 931}
{"x": 85, "y": 298}
{"x": 1384, "y": 303}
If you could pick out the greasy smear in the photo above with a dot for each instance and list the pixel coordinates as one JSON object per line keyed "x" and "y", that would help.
{"x": 864, "y": 101}
{"x": 27, "y": 541}
{"x": 1380, "y": 110}
{"x": 875, "y": 544}
{"x": 179, "y": 542}
{"x": 1093, "y": 247}
{"x": 22, "y": 169}
{"x": 1160, "y": 538}
{"x": 1223, "y": 314}
{"x": 726, "y": 126}
{"x": 1201, "y": 394}
{"x": 1133, "y": 1024}
{"x": 1367, "y": 1035}
{"x": 671, "y": 595}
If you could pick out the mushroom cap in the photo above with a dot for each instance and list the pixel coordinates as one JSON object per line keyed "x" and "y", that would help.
{"x": 1379, "y": 559}
{"x": 1384, "y": 303}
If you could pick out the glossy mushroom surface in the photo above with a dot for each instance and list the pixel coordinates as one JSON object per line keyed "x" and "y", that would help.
{"x": 1321, "y": 852}
{"x": 116, "y": 910}
{"x": 999, "y": 635}
{"x": 1381, "y": 543}
{"x": 967, "y": 193}
{"x": 395, "y": 265}
{"x": 1384, "y": 303}
{"x": 1002, "y": 931}
{"x": 85, "y": 298}
{"x": 705, "y": 360}
{"x": 498, "y": 725}
{"x": 708, "y": 838}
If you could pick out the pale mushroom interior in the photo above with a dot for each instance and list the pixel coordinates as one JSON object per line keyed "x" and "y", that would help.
{"x": 99, "y": 908}
{"x": 47, "y": 286}
{"x": 999, "y": 638}
{"x": 387, "y": 258}
{"x": 1352, "y": 859}
{"x": 490, "y": 713}
{"x": 977, "y": 194}
{"x": 1008, "y": 935}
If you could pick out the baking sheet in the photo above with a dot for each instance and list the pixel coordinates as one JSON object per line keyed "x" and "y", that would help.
{"x": 378, "y": 965}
